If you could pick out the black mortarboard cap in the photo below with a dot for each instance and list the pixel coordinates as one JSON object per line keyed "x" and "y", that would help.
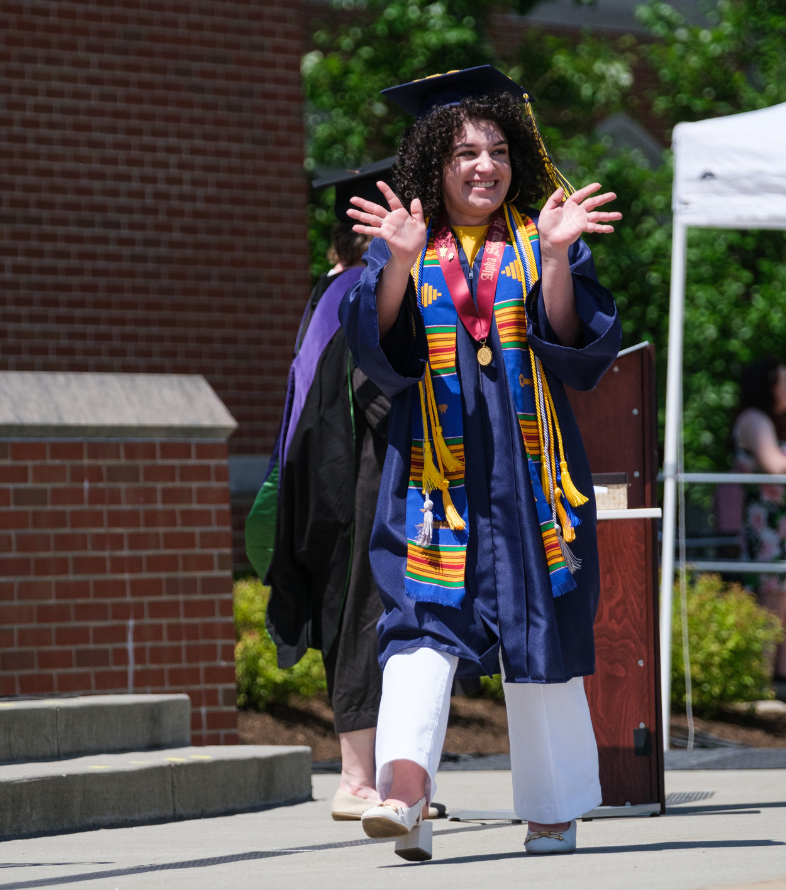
{"x": 440, "y": 90}
{"x": 360, "y": 183}
{"x": 422, "y": 96}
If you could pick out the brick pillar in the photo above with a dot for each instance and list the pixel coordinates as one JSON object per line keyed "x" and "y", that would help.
{"x": 115, "y": 549}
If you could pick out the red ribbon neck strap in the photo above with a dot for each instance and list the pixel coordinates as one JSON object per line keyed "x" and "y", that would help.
{"x": 477, "y": 320}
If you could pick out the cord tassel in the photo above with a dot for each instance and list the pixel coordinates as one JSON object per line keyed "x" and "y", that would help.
{"x": 425, "y": 530}
{"x": 574, "y": 496}
{"x": 431, "y": 479}
{"x": 452, "y": 516}
{"x": 448, "y": 460}
{"x": 564, "y": 520}
{"x": 572, "y": 562}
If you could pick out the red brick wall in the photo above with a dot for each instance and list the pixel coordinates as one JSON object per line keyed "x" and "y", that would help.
{"x": 152, "y": 195}
{"x": 94, "y": 535}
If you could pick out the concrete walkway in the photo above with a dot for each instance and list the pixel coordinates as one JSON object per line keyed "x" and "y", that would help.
{"x": 736, "y": 838}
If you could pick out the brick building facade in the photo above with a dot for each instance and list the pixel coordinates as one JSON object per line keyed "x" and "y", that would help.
{"x": 151, "y": 182}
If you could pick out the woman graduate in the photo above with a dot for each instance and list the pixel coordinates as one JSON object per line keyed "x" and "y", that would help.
{"x": 472, "y": 314}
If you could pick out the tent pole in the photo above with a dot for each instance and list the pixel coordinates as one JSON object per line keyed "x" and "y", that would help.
{"x": 671, "y": 441}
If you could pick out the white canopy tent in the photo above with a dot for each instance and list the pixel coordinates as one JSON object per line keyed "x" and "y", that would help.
{"x": 729, "y": 172}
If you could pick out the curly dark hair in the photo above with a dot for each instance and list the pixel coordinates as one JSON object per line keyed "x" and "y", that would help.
{"x": 427, "y": 145}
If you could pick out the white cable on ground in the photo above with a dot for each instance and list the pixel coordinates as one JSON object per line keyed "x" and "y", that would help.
{"x": 684, "y": 586}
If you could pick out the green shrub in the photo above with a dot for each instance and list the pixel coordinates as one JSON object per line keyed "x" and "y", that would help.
{"x": 260, "y": 682}
{"x": 731, "y": 640}
{"x": 491, "y": 687}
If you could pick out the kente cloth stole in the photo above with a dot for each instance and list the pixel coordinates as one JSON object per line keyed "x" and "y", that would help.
{"x": 435, "y": 573}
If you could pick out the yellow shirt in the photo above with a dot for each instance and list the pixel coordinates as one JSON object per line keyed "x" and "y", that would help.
{"x": 472, "y": 239}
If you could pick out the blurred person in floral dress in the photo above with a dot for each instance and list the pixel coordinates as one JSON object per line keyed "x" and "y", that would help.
{"x": 759, "y": 448}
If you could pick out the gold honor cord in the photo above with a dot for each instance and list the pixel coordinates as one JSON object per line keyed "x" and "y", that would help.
{"x": 548, "y": 423}
{"x": 549, "y": 433}
{"x": 574, "y": 496}
{"x": 433, "y": 477}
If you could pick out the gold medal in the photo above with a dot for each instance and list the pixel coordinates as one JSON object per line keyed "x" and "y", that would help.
{"x": 484, "y": 355}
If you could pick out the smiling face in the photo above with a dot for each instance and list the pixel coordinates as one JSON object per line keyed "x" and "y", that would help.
{"x": 477, "y": 176}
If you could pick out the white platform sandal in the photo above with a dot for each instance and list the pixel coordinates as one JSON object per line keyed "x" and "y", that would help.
{"x": 538, "y": 842}
{"x": 413, "y": 835}
{"x": 416, "y": 846}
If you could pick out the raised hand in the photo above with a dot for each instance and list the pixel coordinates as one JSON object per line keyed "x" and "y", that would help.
{"x": 561, "y": 223}
{"x": 404, "y": 230}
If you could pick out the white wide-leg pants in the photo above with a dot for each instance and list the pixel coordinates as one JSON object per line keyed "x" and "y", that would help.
{"x": 553, "y": 754}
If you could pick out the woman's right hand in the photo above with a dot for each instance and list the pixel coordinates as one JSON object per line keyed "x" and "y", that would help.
{"x": 404, "y": 230}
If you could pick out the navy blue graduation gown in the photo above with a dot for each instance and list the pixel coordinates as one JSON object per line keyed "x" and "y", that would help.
{"x": 509, "y": 606}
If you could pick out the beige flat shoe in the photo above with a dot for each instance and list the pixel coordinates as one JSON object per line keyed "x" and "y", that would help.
{"x": 437, "y": 811}
{"x": 348, "y": 807}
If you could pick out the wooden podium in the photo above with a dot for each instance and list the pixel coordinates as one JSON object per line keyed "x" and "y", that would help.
{"x": 618, "y": 422}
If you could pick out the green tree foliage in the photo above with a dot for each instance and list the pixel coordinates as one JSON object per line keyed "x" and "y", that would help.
{"x": 731, "y": 640}
{"x": 388, "y": 42}
{"x": 736, "y": 281}
{"x": 735, "y": 61}
{"x": 260, "y": 682}
{"x": 575, "y": 84}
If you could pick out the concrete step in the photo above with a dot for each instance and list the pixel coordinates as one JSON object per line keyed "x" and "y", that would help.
{"x": 47, "y": 729}
{"x": 106, "y": 790}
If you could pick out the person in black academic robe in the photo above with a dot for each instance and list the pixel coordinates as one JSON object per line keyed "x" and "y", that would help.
{"x": 469, "y": 126}
{"x": 308, "y": 533}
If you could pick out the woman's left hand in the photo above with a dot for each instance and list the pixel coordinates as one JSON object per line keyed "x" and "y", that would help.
{"x": 562, "y": 222}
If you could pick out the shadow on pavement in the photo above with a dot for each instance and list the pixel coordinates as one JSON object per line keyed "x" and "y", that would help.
{"x": 584, "y": 851}
{"x": 215, "y": 860}
{"x": 721, "y": 809}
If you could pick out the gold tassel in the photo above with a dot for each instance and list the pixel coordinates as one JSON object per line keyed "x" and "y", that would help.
{"x": 556, "y": 179}
{"x": 432, "y": 478}
{"x": 568, "y": 532}
{"x": 448, "y": 459}
{"x": 452, "y": 516}
{"x": 574, "y": 496}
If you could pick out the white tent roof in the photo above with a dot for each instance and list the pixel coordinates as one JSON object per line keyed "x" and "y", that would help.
{"x": 730, "y": 172}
